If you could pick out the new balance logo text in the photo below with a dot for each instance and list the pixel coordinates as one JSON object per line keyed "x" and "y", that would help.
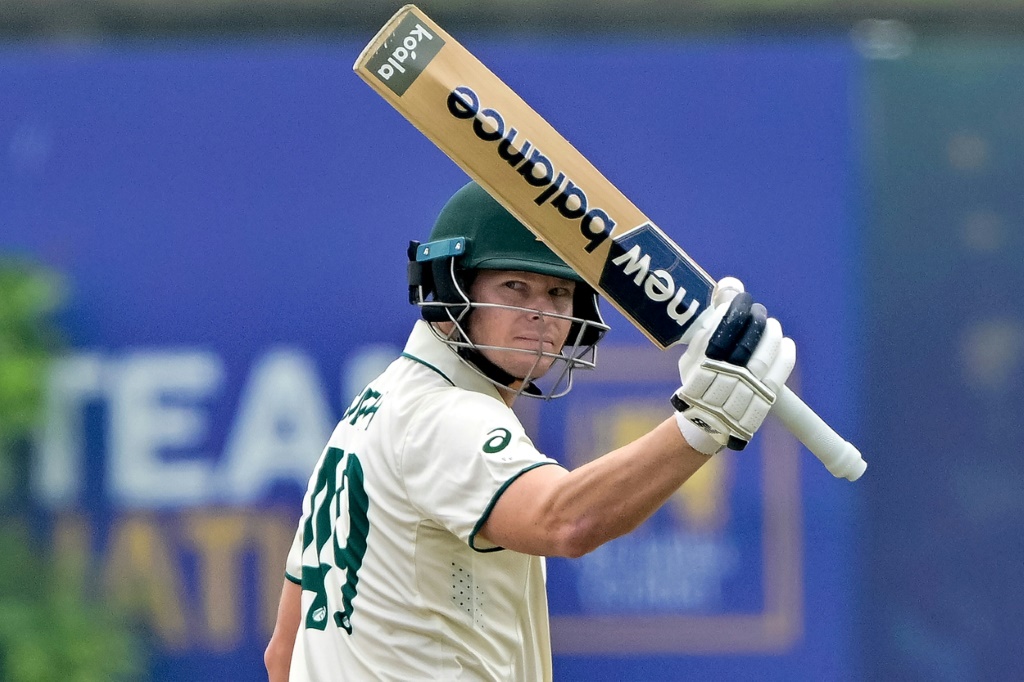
{"x": 535, "y": 169}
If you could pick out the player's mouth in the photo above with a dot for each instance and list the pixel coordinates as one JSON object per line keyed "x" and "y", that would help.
{"x": 546, "y": 344}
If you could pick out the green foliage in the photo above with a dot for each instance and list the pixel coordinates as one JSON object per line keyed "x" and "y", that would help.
{"x": 51, "y": 627}
{"x": 28, "y": 297}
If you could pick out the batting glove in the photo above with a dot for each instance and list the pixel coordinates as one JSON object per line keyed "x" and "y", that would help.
{"x": 731, "y": 372}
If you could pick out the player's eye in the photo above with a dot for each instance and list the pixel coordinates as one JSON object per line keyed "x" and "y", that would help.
{"x": 561, "y": 292}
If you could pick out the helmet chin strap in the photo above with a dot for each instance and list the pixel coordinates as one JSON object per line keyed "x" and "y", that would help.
{"x": 454, "y": 331}
{"x": 494, "y": 372}
{"x": 490, "y": 369}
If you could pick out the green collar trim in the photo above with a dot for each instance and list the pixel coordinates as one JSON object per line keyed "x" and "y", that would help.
{"x": 428, "y": 366}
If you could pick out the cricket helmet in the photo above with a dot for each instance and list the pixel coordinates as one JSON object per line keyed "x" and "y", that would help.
{"x": 474, "y": 232}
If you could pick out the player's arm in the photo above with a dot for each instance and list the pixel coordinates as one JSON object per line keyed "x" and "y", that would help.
{"x": 278, "y": 656}
{"x": 549, "y": 511}
{"x": 730, "y": 375}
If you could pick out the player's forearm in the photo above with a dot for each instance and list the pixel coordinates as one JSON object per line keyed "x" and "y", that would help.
{"x": 278, "y": 655}
{"x": 614, "y": 494}
{"x": 278, "y": 663}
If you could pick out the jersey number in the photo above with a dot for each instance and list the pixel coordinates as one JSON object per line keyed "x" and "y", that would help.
{"x": 321, "y": 526}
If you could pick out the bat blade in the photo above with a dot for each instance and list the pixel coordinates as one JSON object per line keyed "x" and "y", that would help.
{"x": 535, "y": 173}
{"x": 517, "y": 156}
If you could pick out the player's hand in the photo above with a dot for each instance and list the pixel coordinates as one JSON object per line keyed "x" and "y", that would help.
{"x": 731, "y": 372}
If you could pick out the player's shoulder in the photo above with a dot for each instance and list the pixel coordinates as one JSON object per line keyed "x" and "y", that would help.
{"x": 459, "y": 404}
{"x": 418, "y": 381}
{"x": 450, "y": 412}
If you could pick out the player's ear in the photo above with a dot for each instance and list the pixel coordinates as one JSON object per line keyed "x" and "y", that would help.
{"x": 430, "y": 281}
{"x": 585, "y": 306}
{"x": 419, "y": 275}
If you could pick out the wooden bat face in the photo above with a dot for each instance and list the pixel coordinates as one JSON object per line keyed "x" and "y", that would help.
{"x": 536, "y": 174}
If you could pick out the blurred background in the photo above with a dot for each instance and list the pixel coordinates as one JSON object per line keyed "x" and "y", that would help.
{"x": 203, "y": 223}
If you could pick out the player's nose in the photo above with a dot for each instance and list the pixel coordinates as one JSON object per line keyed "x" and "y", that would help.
{"x": 542, "y": 302}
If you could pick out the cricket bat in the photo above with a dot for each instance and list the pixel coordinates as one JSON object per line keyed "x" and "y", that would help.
{"x": 503, "y": 144}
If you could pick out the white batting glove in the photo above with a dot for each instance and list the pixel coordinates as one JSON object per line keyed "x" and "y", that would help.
{"x": 731, "y": 372}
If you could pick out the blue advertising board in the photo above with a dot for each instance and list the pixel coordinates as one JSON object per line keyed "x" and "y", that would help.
{"x": 946, "y": 255}
{"x": 234, "y": 218}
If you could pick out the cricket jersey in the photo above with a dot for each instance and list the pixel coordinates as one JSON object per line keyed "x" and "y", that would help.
{"x": 396, "y": 582}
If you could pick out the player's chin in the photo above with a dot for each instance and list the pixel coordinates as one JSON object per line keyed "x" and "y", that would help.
{"x": 523, "y": 364}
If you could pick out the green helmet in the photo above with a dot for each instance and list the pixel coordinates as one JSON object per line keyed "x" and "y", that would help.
{"x": 474, "y": 232}
{"x": 495, "y": 239}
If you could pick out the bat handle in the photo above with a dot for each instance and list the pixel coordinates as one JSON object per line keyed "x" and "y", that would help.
{"x": 841, "y": 458}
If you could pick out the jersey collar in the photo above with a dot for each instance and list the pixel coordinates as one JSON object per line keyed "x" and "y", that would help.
{"x": 425, "y": 348}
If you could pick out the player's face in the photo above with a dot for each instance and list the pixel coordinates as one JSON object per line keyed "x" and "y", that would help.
{"x": 529, "y": 329}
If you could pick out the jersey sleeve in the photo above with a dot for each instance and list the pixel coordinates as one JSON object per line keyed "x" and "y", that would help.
{"x": 293, "y": 565}
{"x": 459, "y": 456}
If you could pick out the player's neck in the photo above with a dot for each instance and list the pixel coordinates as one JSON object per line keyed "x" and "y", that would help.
{"x": 510, "y": 394}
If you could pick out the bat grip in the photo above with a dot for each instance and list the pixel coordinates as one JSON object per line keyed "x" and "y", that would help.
{"x": 841, "y": 458}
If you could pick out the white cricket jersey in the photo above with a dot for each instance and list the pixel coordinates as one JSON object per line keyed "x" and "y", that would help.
{"x": 396, "y": 585}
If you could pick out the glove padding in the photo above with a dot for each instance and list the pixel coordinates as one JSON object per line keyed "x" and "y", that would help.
{"x": 731, "y": 373}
